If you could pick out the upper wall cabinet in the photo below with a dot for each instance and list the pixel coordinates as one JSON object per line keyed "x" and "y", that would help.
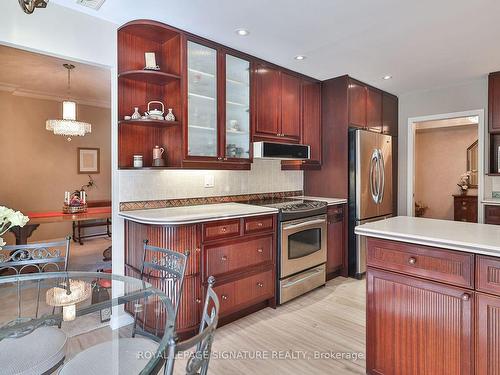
{"x": 374, "y": 109}
{"x": 389, "y": 114}
{"x": 494, "y": 102}
{"x": 277, "y": 105}
{"x": 357, "y": 104}
{"x": 218, "y": 108}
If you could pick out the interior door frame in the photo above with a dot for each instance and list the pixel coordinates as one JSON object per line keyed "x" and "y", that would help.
{"x": 410, "y": 199}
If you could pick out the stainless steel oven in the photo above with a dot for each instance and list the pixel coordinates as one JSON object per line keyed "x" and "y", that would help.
{"x": 302, "y": 256}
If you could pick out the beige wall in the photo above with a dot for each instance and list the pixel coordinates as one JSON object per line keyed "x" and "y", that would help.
{"x": 37, "y": 166}
{"x": 440, "y": 158}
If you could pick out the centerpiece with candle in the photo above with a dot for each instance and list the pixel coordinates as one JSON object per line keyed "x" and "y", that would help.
{"x": 76, "y": 202}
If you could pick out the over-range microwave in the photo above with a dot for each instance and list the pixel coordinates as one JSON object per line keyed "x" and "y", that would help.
{"x": 272, "y": 150}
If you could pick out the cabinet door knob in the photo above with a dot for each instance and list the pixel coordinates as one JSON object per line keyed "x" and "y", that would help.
{"x": 224, "y": 230}
{"x": 224, "y": 297}
{"x": 223, "y": 258}
{"x": 260, "y": 285}
{"x": 465, "y": 296}
{"x": 225, "y": 158}
{"x": 198, "y": 300}
{"x": 260, "y": 250}
{"x": 412, "y": 260}
{"x": 197, "y": 250}
{"x": 260, "y": 224}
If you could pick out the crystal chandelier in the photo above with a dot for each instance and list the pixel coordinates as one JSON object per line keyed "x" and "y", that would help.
{"x": 68, "y": 126}
{"x": 30, "y": 5}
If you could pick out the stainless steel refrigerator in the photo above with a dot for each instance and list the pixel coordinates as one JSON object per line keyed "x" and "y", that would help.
{"x": 370, "y": 189}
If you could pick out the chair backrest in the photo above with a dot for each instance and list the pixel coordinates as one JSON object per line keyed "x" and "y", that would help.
{"x": 37, "y": 257}
{"x": 168, "y": 267}
{"x": 202, "y": 342}
{"x": 42, "y": 257}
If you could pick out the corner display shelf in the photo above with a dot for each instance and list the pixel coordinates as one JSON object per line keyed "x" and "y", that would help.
{"x": 137, "y": 87}
{"x": 150, "y": 76}
{"x": 155, "y": 123}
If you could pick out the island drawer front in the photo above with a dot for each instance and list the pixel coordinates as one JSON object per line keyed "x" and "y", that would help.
{"x": 492, "y": 215}
{"x": 237, "y": 255}
{"x": 488, "y": 274}
{"x": 259, "y": 224}
{"x": 446, "y": 266}
{"x": 221, "y": 229}
{"x": 238, "y": 294}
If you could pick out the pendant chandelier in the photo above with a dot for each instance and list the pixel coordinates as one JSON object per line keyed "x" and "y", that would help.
{"x": 29, "y": 5}
{"x": 68, "y": 126}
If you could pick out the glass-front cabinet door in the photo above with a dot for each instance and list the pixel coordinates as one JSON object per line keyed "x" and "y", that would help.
{"x": 237, "y": 108}
{"x": 202, "y": 100}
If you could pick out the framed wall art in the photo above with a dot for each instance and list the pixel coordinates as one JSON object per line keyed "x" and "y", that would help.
{"x": 88, "y": 160}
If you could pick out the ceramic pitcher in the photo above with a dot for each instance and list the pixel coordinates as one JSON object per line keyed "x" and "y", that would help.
{"x": 158, "y": 152}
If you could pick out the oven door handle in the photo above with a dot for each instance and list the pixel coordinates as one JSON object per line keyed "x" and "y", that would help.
{"x": 304, "y": 224}
{"x": 308, "y": 276}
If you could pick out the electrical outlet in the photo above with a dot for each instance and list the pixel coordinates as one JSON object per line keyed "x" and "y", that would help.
{"x": 209, "y": 181}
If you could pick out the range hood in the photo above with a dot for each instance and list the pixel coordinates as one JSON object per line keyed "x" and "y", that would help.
{"x": 282, "y": 151}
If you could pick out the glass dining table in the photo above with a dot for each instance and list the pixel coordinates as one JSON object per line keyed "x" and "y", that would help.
{"x": 80, "y": 304}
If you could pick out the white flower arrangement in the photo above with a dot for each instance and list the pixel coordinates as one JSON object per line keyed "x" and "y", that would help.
{"x": 464, "y": 181}
{"x": 9, "y": 219}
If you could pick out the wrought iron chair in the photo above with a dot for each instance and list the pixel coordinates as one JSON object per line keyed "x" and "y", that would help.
{"x": 46, "y": 345}
{"x": 202, "y": 342}
{"x": 164, "y": 269}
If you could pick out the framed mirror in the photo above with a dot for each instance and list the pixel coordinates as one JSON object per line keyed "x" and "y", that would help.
{"x": 472, "y": 160}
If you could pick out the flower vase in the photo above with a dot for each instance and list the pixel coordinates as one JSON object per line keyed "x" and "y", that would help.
{"x": 170, "y": 116}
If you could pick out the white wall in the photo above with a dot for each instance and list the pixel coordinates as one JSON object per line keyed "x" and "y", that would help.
{"x": 462, "y": 97}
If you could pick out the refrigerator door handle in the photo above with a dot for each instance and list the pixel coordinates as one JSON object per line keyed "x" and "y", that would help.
{"x": 373, "y": 165}
{"x": 382, "y": 176}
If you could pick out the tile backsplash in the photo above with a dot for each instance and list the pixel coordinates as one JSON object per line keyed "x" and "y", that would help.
{"x": 265, "y": 176}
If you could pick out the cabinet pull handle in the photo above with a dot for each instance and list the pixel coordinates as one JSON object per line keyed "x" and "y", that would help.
{"x": 465, "y": 296}
{"x": 260, "y": 224}
{"x": 225, "y": 158}
{"x": 412, "y": 260}
{"x": 260, "y": 285}
{"x": 198, "y": 300}
{"x": 260, "y": 250}
{"x": 223, "y": 230}
{"x": 223, "y": 258}
{"x": 197, "y": 250}
{"x": 224, "y": 297}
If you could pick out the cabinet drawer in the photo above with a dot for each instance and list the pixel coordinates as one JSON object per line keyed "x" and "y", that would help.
{"x": 234, "y": 256}
{"x": 259, "y": 224}
{"x": 221, "y": 229}
{"x": 488, "y": 274}
{"x": 492, "y": 214}
{"x": 446, "y": 266}
{"x": 241, "y": 293}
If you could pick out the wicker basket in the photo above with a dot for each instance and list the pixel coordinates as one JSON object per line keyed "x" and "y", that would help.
{"x": 74, "y": 209}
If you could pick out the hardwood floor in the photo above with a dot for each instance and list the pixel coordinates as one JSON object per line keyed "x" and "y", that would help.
{"x": 326, "y": 322}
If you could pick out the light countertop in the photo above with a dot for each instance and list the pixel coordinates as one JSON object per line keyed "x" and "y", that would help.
{"x": 329, "y": 201}
{"x": 195, "y": 214}
{"x": 492, "y": 201}
{"x": 455, "y": 235}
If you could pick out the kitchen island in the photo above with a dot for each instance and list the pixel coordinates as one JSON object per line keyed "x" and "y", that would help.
{"x": 433, "y": 297}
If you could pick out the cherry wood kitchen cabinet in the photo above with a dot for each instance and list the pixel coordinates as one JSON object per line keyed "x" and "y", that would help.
{"x": 494, "y": 102}
{"x": 240, "y": 253}
{"x": 278, "y": 105}
{"x": 416, "y": 326}
{"x": 311, "y": 133}
{"x": 492, "y": 214}
{"x": 336, "y": 263}
{"x": 374, "y": 110}
{"x": 267, "y": 83}
{"x": 487, "y": 334}
{"x": 389, "y": 114}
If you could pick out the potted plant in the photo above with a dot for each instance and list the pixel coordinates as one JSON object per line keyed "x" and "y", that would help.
{"x": 9, "y": 219}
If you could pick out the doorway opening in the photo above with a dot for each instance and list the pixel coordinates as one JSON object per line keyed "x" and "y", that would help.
{"x": 445, "y": 166}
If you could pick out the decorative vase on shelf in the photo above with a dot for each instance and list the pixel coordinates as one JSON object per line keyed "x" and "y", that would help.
{"x": 170, "y": 116}
{"x": 136, "y": 115}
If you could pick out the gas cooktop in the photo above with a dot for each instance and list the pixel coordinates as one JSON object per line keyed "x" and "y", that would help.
{"x": 292, "y": 208}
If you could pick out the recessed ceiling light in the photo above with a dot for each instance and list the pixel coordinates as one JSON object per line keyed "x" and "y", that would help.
{"x": 386, "y": 77}
{"x": 242, "y": 32}
{"x": 300, "y": 57}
